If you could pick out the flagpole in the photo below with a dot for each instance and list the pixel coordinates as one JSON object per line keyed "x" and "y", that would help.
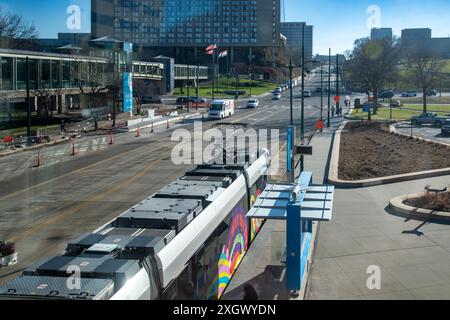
{"x": 213, "y": 76}
{"x": 228, "y": 73}
{"x": 218, "y": 64}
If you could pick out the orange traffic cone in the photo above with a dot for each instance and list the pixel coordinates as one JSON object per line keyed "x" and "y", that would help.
{"x": 138, "y": 132}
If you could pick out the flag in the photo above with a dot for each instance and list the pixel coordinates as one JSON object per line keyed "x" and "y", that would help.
{"x": 223, "y": 54}
{"x": 211, "y": 47}
{"x": 211, "y": 52}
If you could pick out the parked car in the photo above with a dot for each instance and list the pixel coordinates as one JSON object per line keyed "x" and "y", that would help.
{"x": 307, "y": 93}
{"x": 318, "y": 90}
{"x": 446, "y": 128}
{"x": 386, "y": 94}
{"x": 276, "y": 96}
{"x": 254, "y": 103}
{"x": 409, "y": 94}
{"x": 432, "y": 93}
{"x": 429, "y": 118}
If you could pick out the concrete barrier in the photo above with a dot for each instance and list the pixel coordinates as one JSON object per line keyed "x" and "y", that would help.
{"x": 397, "y": 206}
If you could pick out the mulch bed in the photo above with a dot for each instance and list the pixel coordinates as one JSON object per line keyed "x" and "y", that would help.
{"x": 368, "y": 151}
{"x": 431, "y": 201}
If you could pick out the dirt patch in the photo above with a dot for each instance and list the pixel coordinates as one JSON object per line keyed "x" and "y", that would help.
{"x": 431, "y": 201}
{"x": 369, "y": 151}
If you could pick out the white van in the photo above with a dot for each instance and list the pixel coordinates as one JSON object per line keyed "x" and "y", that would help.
{"x": 220, "y": 109}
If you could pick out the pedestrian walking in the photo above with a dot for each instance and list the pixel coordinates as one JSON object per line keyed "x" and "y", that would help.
{"x": 333, "y": 111}
{"x": 63, "y": 127}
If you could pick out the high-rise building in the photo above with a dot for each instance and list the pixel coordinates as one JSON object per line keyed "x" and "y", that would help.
{"x": 182, "y": 24}
{"x": 293, "y": 31}
{"x": 381, "y": 34}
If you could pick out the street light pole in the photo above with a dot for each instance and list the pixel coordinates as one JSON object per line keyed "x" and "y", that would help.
{"x": 321, "y": 94}
{"x": 188, "y": 87}
{"x": 329, "y": 86}
{"x": 337, "y": 82}
{"x": 291, "y": 97}
{"x": 28, "y": 102}
{"x": 302, "y": 127}
{"x": 197, "y": 84}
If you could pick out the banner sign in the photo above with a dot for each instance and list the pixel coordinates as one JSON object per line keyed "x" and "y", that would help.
{"x": 127, "y": 92}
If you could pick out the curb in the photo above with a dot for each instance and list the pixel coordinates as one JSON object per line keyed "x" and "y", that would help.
{"x": 397, "y": 206}
{"x": 393, "y": 129}
{"x": 333, "y": 172}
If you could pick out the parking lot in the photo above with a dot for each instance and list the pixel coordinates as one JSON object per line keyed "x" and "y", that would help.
{"x": 424, "y": 131}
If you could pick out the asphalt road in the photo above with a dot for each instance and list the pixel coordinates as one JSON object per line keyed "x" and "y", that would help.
{"x": 43, "y": 208}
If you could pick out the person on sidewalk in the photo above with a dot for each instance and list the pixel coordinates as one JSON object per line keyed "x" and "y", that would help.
{"x": 333, "y": 111}
{"x": 63, "y": 127}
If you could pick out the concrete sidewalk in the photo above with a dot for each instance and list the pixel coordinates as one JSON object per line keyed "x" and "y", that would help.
{"x": 413, "y": 256}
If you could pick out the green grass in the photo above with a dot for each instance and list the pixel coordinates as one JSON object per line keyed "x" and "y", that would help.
{"x": 439, "y": 108}
{"x": 258, "y": 87}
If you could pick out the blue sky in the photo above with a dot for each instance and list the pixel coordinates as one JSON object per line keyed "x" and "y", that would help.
{"x": 337, "y": 23}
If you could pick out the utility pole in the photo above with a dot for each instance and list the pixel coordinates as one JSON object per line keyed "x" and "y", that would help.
{"x": 28, "y": 102}
{"x": 329, "y": 86}
{"x": 321, "y": 94}
{"x": 302, "y": 128}
{"x": 291, "y": 70}
{"x": 337, "y": 81}
{"x": 213, "y": 75}
{"x": 250, "y": 78}
{"x": 188, "y": 87}
{"x": 197, "y": 84}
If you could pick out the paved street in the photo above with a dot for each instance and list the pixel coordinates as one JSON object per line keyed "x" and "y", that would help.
{"x": 45, "y": 207}
{"x": 424, "y": 131}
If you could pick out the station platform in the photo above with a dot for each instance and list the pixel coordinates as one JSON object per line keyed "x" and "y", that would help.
{"x": 264, "y": 265}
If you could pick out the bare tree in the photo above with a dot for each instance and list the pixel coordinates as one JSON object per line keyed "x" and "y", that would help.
{"x": 15, "y": 32}
{"x": 373, "y": 63}
{"x": 93, "y": 81}
{"x": 423, "y": 69}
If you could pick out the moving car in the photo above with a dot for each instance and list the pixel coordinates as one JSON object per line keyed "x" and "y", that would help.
{"x": 277, "y": 90}
{"x": 276, "y": 96}
{"x": 409, "y": 94}
{"x": 429, "y": 118}
{"x": 221, "y": 109}
{"x": 432, "y": 93}
{"x": 254, "y": 103}
{"x": 446, "y": 128}
{"x": 307, "y": 93}
{"x": 386, "y": 94}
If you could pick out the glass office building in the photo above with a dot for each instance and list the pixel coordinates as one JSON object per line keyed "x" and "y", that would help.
{"x": 189, "y": 23}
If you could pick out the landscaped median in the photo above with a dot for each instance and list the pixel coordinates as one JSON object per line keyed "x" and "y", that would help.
{"x": 423, "y": 206}
{"x": 404, "y": 113}
{"x": 367, "y": 154}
